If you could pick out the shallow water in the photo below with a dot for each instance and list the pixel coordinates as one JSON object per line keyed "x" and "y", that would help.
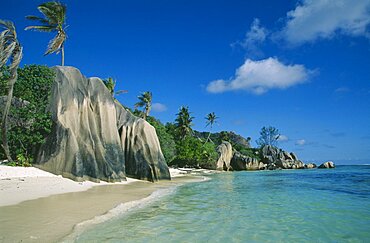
{"x": 328, "y": 205}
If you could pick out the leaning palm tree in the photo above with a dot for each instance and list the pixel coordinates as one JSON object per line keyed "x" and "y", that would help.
{"x": 145, "y": 100}
{"x": 10, "y": 51}
{"x": 211, "y": 120}
{"x": 53, "y": 21}
{"x": 184, "y": 122}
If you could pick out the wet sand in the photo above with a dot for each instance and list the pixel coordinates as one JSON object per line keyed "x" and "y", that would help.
{"x": 52, "y": 218}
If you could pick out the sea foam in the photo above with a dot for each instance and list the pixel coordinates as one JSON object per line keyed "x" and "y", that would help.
{"x": 118, "y": 211}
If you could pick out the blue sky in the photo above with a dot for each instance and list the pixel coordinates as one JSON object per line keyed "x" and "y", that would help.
{"x": 301, "y": 66}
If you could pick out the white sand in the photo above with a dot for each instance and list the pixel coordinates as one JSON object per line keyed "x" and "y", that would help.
{"x": 177, "y": 172}
{"x": 18, "y": 184}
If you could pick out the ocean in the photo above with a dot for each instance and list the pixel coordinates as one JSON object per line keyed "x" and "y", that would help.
{"x": 318, "y": 205}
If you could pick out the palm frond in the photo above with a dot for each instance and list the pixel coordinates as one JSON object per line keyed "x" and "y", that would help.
{"x": 139, "y": 104}
{"x": 49, "y": 12}
{"x": 118, "y": 92}
{"x": 41, "y": 20}
{"x": 16, "y": 57}
{"x": 6, "y": 53}
{"x": 54, "y": 11}
{"x": 8, "y": 25}
{"x": 56, "y": 43}
{"x": 42, "y": 28}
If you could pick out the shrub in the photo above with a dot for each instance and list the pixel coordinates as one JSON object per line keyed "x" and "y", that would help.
{"x": 31, "y": 123}
{"x": 166, "y": 140}
{"x": 192, "y": 152}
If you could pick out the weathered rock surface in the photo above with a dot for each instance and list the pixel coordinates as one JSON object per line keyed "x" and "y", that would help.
{"x": 281, "y": 158}
{"x": 225, "y": 152}
{"x": 242, "y": 162}
{"x": 310, "y": 166}
{"x": 327, "y": 165}
{"x": 14, "y": 119}
{"x": 142, "y": 151}
{"x": 94, "y": 138}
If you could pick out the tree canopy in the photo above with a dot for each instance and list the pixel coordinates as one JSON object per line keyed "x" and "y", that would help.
{"x": 145, "y": 100}
{"x": 269, "y": 136}
{"x": 10, "y": 51}
{"x": 53, "y": 21}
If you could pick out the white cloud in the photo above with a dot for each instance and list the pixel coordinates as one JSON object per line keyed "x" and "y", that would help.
{"x": 283, "y": 138}
{"x": 261, "y": 76}
{"x": 300, "y": 142}
{"x": 315, "y": 19}
{"x": 256, "y": 35}
{"x": 158, "y": 107}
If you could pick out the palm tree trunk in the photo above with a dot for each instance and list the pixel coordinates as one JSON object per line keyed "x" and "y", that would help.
{"x": 147, "y": 110}
{"x": 209, "y": 134}
{"x": 4, "y": 124}
{"x": 63, "y": 55}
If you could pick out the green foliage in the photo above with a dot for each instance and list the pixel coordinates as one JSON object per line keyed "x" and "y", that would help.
{"x": 183, "y": 122}
{"x": 110, "y": 83}
{"x": 166, "y": 140}
{"x": 250, "y": 152}
{"x": 193, "y": 152}
{"x": 269, "y": 136}
{"x": 30, "y": 124}
{"x": 145, "y": 100}
{"x": 211, "y": 119}
{"x": 4, "y": 76}
{"x": 53, "y": 20}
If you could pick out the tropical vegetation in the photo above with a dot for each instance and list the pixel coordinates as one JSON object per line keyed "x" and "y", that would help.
{"x": 269, "y": 136}
{"x": 145, "y": 100}
{"x": 25, "y": 94}
{"x": 29, "y": 121}
{"x": 54, "y": 20}
{"x": 10, "y": 51}
{"x": 183, "y": 122}
{"x": 211, "y": 120}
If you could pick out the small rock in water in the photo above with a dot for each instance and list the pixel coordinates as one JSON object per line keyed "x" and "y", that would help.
{"x": 327, "y": 165}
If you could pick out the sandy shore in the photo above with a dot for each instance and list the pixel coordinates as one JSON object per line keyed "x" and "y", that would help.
{"x": 18, "y": 184}
{"x": 42, "y": 207}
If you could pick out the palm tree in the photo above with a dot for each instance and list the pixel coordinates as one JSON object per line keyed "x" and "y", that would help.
{"x": 146, "y": 102}
{"x": 110, "y": 83}
{"x": 10, "y": 50}
{"x": 183, "y": 122}
{"x": 211, "y": 119}
{"x": 53, "y": 21}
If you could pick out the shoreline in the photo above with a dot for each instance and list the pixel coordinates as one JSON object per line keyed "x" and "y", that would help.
{"x": 50, "y": 218}
{"x": 19, "y": 184}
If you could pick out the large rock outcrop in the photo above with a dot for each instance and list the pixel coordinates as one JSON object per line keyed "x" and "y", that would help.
{"x": 142, "y": 151}
{"x": 327, "y": 165}
{"x": 280, "y": 158}
{"x": 95, "y": 138}
{"x": 225, "y": 152}
{"x": 242, "y": 162}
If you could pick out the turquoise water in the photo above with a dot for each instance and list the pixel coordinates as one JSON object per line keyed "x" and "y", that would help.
{"x": 329, "y": 205}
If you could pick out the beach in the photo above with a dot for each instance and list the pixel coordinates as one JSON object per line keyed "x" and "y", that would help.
{"x": 38, "y": 206}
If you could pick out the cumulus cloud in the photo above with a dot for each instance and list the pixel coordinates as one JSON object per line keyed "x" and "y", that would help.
{"x": 260, "y": 76}
{"x": 283, "y": 138}
{"x": 315, "y": 19}
{"x": 158, "y": 107}
{"x": 300, "y": 142}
